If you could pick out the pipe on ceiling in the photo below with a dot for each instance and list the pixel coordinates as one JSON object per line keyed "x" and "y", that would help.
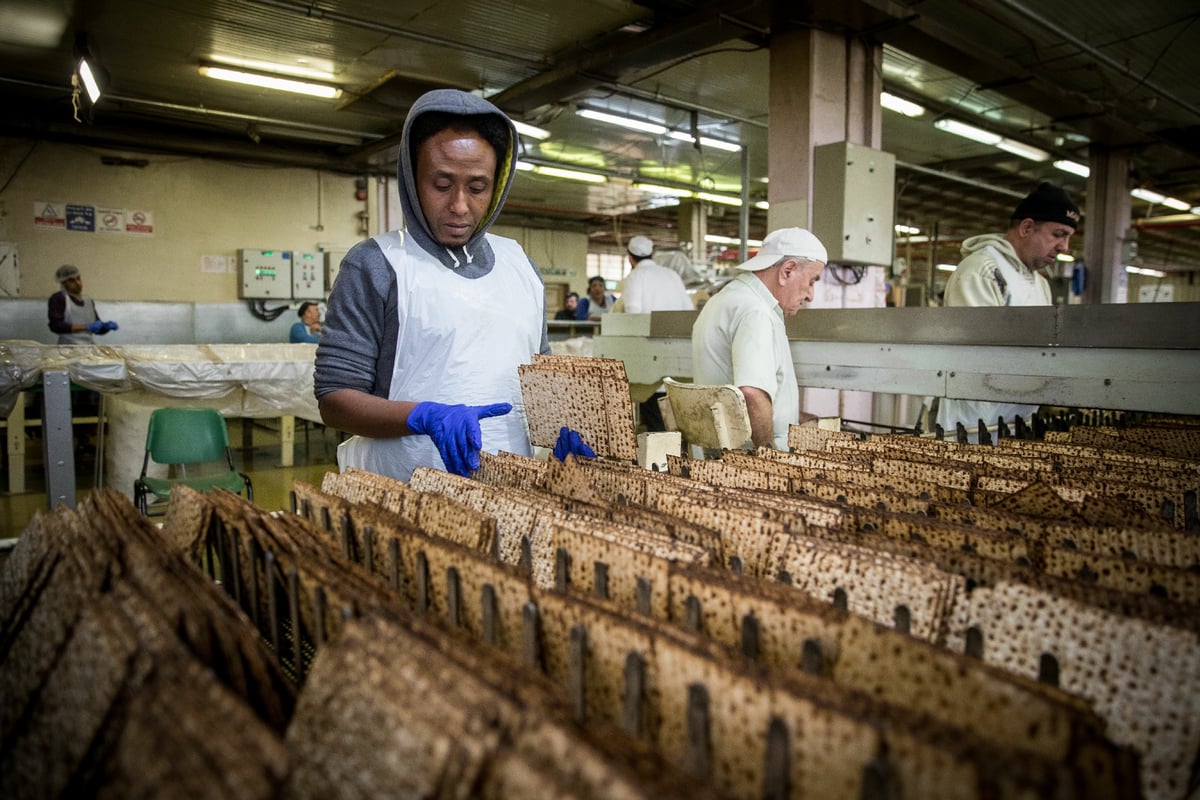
{"x": 1059, "y": 29}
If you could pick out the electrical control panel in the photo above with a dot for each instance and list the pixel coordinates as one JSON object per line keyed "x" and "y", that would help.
{"x": 854, "y": 191}
{"x": 265, "y": 274}
{"x": 308, "y": 276}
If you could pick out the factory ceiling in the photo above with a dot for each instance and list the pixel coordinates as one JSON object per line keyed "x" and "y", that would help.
{"x": 1063, "y": 77}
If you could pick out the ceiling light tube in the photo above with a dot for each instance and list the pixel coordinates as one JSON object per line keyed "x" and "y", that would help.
{"x": 1148, "y": 196}
{"x": 1023, "y": 150}
{"x": 947, "y": 267}
{"x": 569, "y": 174}
{"x": 272, "y": 82}
{"x": 901, "y": 106}
{"x": 719, "y": 198}
{"x": 716, "y": 144}
{"x": 718, "y": 239}
{"x": 907, "y": 230}
{"x": 967, "y": 131}
{"x": 525, "y": 166}
{"x": 625, "y": 122}
{"x": 1152, "y": 273}
{"x": 89, "y": 80}
{"x": 1074, "y": 167}
{"x": 532, "y": 131}
{"x": 1175, "y": 203}
{"x": 763, "y": 204}
{"x": 652, "y": 188}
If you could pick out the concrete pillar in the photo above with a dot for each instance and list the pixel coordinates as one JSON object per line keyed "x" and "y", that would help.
{"x": 824, "y": 89}
{"x": 693, "y": 227}
{"x": 1107, "y": 226}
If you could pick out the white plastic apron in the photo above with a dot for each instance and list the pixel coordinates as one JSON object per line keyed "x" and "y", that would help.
{"x": 460, "y": 342}
{"x": 77, "y": 315}
{"x": 1023, "y": 289}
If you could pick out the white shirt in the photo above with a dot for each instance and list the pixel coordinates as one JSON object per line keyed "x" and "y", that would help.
{"x": 653, "y": 287}
{"x": 739, "y": 339}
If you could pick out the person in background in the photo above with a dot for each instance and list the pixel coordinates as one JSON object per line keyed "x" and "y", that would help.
{"x": 598, "y": 302}
{"x": 419, "y": 382}
{"x": 1003, "y": 269}
{"x": 739, "y": 336}
{"x": 650, "y": 286}
{"x": 308, "y": 329}
{"x": 570, "y": 305}
{"x": 72, "y": 313}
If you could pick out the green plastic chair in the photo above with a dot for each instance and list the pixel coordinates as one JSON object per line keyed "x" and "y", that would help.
{"x": 186, "y": 438}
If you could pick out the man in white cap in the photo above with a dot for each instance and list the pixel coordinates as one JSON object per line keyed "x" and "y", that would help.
{"x": 739, "y": 337}
{"x": 72, "y": 314}
{"x": 650, "y": 286}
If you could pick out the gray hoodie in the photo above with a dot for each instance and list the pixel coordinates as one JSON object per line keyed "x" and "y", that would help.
{"x": 362, "y": 323}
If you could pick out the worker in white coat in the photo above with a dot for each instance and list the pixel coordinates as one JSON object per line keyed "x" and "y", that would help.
{"x": 650, "y": 286}
{"x": 1003, "y": 269}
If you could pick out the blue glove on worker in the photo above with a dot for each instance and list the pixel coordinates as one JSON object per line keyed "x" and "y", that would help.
{"x": 570, "y": 443}
{"x": 455, "y": 431}
{"x": 96, "y": 327}
{"x": 110, "y": 326}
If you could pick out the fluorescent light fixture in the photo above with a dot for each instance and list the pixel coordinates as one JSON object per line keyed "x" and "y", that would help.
{"x": 967, "y": 131}
{"x": 728, "y": 200}
{"x": 1074, "y": 167}
{"x": 900, "y": 105}
{"x": 1151, "y": 273}
{"x": 947, "y": 267}
{"x": 1175, "y": 203}
{"x": 1148, "y": 196}
{"x": 717, "y": 239}
{"x": 907, "y": 230}
{"x": 1196, "y": 210}
{"x": 625, "y": 122}
{"x": 652, "y": 188}
{"x": 569, "y": 174}
{"x": 1064, "y": 257}
{"x": 525, "y": 166}
{"x": 532, "y": 131}
{"x": 302, "y": 70}
{"x": 1023, "y": 150}
{"x": 763, "y": 204}
{"x": 716, "y": 144}
{"x": 272, "y": 82}
{"x": 89, "y": 80}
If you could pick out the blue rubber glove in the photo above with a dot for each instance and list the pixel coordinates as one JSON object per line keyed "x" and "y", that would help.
{"x": 570, "y": 443}
{"x": 455, "y": 431}
{"x": 96, "y": 327}
{"x": 110, "y": 325}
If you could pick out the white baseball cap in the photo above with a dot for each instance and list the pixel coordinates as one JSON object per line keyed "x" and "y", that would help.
{"x": 641, "y": 246}
{"x": 795, "y": 242}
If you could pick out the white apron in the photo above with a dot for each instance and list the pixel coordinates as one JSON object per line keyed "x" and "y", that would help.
{"x": 78, "y": 315}
{"x": 1023, "y": 289}
{"x": 460, "y": 342}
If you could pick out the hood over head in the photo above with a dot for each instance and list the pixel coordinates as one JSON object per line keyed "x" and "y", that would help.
{"x": 452, "y": 101}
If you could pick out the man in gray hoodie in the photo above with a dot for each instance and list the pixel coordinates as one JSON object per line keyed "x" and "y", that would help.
{"x": 1002, "y": 269}
{"x": 416, "y": 357}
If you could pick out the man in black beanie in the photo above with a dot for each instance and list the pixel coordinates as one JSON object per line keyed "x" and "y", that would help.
{"x": 1002, "y": 269}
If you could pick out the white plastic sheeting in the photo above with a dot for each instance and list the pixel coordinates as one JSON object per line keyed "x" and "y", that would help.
{"x": 247, "y": 380}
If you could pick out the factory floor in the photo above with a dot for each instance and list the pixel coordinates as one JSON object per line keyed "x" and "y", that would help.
{"x": 315, "y": 454}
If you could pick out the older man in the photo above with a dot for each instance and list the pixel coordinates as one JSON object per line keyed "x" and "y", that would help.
{"x": 739, "y": 337}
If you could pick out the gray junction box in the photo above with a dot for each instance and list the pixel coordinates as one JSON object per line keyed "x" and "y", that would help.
{"x": 854, "y": 199}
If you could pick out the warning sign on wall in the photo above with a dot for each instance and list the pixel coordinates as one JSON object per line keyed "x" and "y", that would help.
{"x": 140, "y": 222}
{"x": 110, "y": 220}
{"x": 49, "y": 214}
